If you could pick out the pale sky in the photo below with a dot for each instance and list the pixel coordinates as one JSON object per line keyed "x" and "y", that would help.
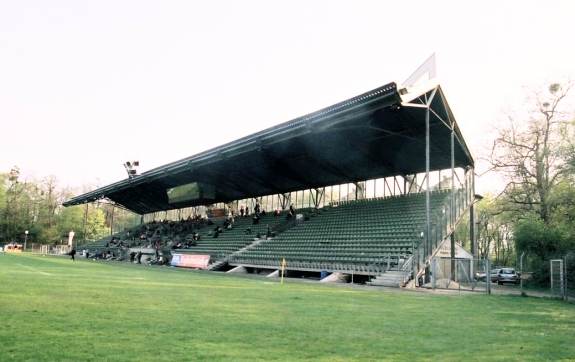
{"x": 87, "y": 85}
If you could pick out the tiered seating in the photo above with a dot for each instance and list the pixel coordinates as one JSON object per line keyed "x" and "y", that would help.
{"x": 170, "y": 235}
{"x": 230, "y": 241}
{"x": 364, "y": 236}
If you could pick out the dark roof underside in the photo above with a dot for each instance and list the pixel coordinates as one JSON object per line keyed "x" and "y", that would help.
{"x": 366, "y": 137}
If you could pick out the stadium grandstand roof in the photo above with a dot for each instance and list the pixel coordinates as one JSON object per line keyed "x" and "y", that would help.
{"x": 377, "y": 134}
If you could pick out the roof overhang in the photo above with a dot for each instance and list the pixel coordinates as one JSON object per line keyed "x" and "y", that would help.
{"x": 376, "y": 134}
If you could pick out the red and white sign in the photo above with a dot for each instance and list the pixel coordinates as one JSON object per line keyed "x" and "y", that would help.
{"x": 191, "y": 261}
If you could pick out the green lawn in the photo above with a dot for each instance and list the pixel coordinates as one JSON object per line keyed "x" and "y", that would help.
{"x": 54, "y": 309}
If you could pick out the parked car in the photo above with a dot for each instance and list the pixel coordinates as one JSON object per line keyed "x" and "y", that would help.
{"x": 494, "y": 275}
{"x": 480, "y": 275}
{"x": 508, "y": 275}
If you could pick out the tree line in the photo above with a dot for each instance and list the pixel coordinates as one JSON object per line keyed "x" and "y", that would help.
{"x": 534, "y": 214}
{"x": 36, "y": 206}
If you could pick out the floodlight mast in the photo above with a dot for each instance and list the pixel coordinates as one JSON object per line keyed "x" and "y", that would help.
{"x": 131, "y": 168}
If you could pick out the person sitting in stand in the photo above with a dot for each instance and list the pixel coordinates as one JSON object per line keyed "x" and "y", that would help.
{"x": 269, "y": 233}
{"x": 257, "y": 208}
{"x": 255, "y": 219}
{"x": 263, "y": 213}
{"x": 277, "y": 213}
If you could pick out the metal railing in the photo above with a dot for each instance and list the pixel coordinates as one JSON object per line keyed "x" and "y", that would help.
{"x": 443, "y": 222}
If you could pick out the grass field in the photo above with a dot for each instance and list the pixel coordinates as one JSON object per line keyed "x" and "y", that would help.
{"x": 54, "y": 309}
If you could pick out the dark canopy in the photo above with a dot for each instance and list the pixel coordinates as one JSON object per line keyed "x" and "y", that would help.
{"x": 370, "y": 136}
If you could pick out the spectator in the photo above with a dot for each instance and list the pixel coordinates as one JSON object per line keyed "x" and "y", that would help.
{"x": 242, "y": 211}
{"x": 269, "y": 233}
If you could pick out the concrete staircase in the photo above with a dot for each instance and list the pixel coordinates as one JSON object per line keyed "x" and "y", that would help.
{"x": 390, "y": 278}
{"x": 217, "y": 265}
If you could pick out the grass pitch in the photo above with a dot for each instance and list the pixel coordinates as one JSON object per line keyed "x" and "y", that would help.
{"x": 54, "y": 309}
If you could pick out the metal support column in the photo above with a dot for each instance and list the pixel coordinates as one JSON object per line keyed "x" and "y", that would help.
{"x": 472, "y": 229}
{"x": 452, "y": 213}
{"x": 452, "y": 240}
{"x": 112, "y": 221}
{"x": 472, "y": 233}
{"x": 452, "y": 216}
{"x": 85, "y": 222}
{"x": 427, "y": 195}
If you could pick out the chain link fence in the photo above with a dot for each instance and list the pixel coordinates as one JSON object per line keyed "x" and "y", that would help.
{"x": 459, "y": 274}
{"x": 554, "y": 278}
{"x": 44, "y": 249}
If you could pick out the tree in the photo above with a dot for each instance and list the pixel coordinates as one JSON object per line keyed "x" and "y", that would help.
{"x": 96, "y": 224}
{"x": 531, "y": 156}
{"x": 71, "y": 219}
{"x": 494, "y": 231}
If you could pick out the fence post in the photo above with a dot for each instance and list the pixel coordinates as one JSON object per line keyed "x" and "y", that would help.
{"x": 433, "y": 271}
{"x": 565, "y": 278}
{"x": 488, "y": 276}
{"x": 521, "y": 268}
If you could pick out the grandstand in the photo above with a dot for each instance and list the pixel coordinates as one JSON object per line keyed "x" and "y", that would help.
{"x": 363, "y": 236}
{"x": 405, "y": 170}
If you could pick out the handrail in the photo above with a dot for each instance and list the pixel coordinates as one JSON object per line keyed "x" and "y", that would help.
{"x": 443, "y": 223}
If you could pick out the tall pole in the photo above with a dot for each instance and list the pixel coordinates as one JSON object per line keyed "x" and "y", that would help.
{"x": 472, "y": 228}
{"x": 427, "y": 195}
{"x": 452, "y": 213}
{"x": 472, "y": 233}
